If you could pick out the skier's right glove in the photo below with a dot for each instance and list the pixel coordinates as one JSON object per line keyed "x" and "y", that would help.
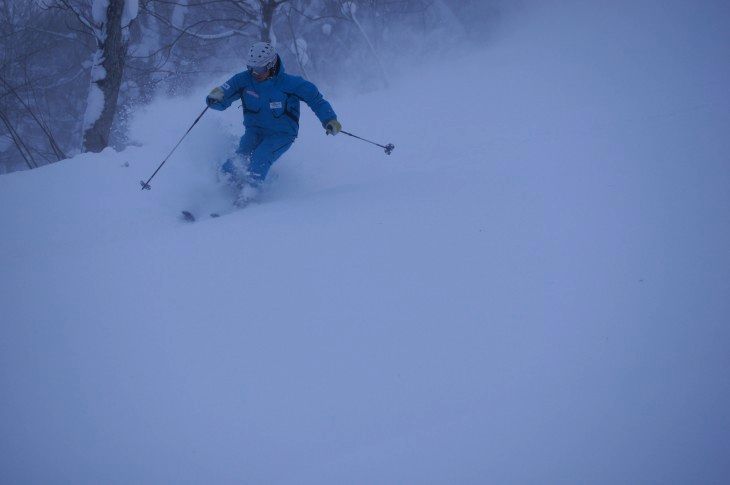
{"x": 333, "y": 127}
{"x": 215, "y": 96}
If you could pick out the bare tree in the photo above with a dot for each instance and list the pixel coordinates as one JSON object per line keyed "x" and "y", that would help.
{"x": 228, "y": 17}
{"x": 27, "y": 45}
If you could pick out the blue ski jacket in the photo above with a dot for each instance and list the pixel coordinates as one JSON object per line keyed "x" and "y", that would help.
{"x": 273, "y": 105}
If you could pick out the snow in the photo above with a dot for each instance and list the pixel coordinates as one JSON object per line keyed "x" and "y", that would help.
{"x": 99, "y": 11}
{"x": 178, "y": 13}
{"x": 94, "y": 105}
{"x": 95, "y": 101}
{"x": 533, "y": 288}
{"x": 131, "y": 10}
{"x": 349, "y": 9}
{"x": 98, "y": 72}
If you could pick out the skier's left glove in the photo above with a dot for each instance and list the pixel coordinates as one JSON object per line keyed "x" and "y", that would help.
{"x": 333, "y": 127}
{"x": 215, "y": 96}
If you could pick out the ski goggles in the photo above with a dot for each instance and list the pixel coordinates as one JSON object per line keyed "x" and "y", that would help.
{"x": 262, "y": 69}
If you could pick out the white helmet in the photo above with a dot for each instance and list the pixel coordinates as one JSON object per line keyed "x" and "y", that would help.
{"x": 261, "y": 55}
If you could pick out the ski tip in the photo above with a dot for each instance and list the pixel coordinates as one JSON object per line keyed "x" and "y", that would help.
{"x": 188, "y": 216}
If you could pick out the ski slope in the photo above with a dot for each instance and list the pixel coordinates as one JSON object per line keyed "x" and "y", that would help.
{"x": 533, "y": 288}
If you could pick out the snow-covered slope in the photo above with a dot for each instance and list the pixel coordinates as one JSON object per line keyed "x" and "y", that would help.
{"x": 534, "y": 287}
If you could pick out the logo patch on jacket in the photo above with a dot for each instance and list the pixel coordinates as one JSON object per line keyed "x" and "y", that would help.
{"x": 226, "y": 86}
{"x": 252, "y": 93}
{"x": 275, "y": 104}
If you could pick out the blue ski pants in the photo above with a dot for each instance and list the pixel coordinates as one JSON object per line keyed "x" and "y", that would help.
{"x": 257, "y": 151}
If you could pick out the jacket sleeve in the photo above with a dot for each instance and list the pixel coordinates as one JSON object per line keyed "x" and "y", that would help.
{"x": 231, "y": 92}
{"x": 308, "y": 92}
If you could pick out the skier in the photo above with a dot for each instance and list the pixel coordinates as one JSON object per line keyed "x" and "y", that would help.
{"x": 270, "y": 99}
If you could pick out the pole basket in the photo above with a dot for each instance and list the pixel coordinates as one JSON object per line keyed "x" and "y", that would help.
{"x": 145, "y": 185}
{"x": 389, "y": 148}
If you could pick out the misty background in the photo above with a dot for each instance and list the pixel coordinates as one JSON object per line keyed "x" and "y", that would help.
{"x": 55, "y": 53}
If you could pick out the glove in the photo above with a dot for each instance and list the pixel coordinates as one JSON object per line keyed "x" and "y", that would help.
{"x": 215, "y": 96}
{"x": 333, "y": 127}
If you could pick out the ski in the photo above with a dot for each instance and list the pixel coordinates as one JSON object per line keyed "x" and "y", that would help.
{"x": 188, "y": 216}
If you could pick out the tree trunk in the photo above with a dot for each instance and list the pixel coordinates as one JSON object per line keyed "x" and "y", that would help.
{"x": 268, "y": 7}
{"x": 106, "y": 78}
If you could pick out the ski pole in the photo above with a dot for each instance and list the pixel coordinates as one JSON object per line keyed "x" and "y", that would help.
{"x": 146, "y": 185}
{"x": 388, "y": 148}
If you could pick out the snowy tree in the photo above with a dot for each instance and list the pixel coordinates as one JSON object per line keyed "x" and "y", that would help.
{"x": 108, "y": 21}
